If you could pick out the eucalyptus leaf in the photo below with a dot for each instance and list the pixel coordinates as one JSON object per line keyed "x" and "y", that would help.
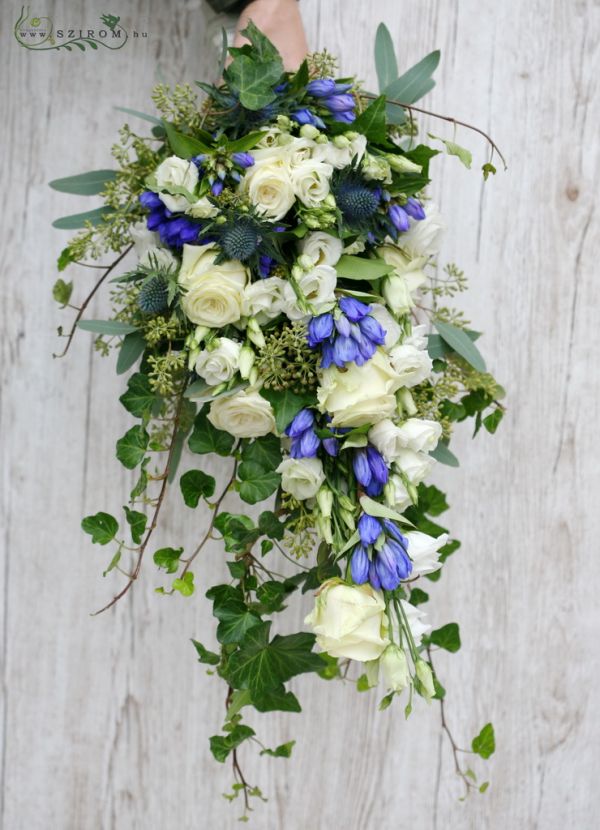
{"x": 110, "y": 327}
{"x": 84, "y": 184}
{"x": 385, "y": 57}
{"x": 143, "y": 115}
{"x": 79, "y": 220}
{"x": 442, "y": 454}
{"x": 131, "y": 350}
{"x": 461, "y": 343}
{"x": 382, "y": 511}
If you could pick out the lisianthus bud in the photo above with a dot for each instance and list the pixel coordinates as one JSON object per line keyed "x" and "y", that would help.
{"x": 400, "y": 164}
{"x": 348, "y": 519}
{"x": 325, "y": 501}
{"x": 285, "y": 138}
{"x": 254, "y": 333}
{"x": 309, "y": 131}
{"x": 341, "y": 141}
{"x": 284, "y": 123}
{"x": 395, "y": 668}
{"x": 324, "y": 528}
{"x": 329, "y": 201}
{"x": 246, "y": 361}
{"x": 312, "y": 222}
{"x": 406, "y": 399}
{"x": 253, "y": 378}
{"x": 426, "y": 677}
{"x": 200, "y": 333}
{"x": 306, "y": 262}
{"x": 192, "y": 358}
{"x": 345, "y": 502}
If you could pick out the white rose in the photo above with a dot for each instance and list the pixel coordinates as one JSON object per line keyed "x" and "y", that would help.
{"x": 395, "y": 668}
{"x": 360, "y": 394}
{"x": 419, "y": 434}
{"x": 424, "y": 237}
{"x": 246, "y": 414}
{"x": 310, "y": 181}
{"x": 424, "y": 551}
{"x": 341, "y": 153}
{"x": 415, "y": 465}
{"x": 202, "y": 209}
{"x": 269, "y": 188}
{"x": 318, "y": 287}
{"x": 176, "y": 172}
{"x": 412, "y": 365}
{"x": 349, "y": 620}
{"x": 219, "y": 363}
{"x": 300, "y": 150}
{"x": 396, "y": 494}
{"x": 387, "y": 323}
{"x": 321, "y": 247}
{"x": 263, "y": 299}
{"x": 301, "y": 477}
{"x": 214, "y": 293}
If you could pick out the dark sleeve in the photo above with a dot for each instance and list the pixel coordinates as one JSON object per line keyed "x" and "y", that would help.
{"x": 228, "y": 6}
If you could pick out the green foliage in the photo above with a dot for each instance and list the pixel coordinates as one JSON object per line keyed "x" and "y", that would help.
{"x": 282, "y": 751}
{"x": 206, "y": 656}
{"x": 359, "y": 268}
{"x": 185, "y": 586}
{"x": 109, "y": 327}
{"x": 454, "y": 149}
{"x": 371, "y": 122}
{"x": 286, "y": 404}
{"x": 137, "y": 523}
{"x": 412, "y": 85}
{"x": 168, "y": 558}
{"x": 81, "y": 220}
{"x": 492, "y": 421}
{"x": 484, "y": 744}
{"x": 253, "y": 73}
{"x": 461, "y": 343}
{"x": 442, "y": 454}
{"x": 101, "y": 526}
{"x": 275, "y": 700}
{"x": 230, "y": 608}
{"x": 265, "y": 451}
{"x": 446, "y": 637}
{"x": 222, "y": 745}
{"x": 139, "y": 399}
{"x": 206, "y": 438}
{"x": 131, "y": 448}
{"x": 132, "y": 348}
{"x": 184, "y": 146}
{"x": 385, "y": 57}
{"x": 418, "y": 597}
{"x": 195, "y": 485}
{"x": 84, "y": 184}
{"x": 256, "y": 482}
{"x": 61, "y": 292}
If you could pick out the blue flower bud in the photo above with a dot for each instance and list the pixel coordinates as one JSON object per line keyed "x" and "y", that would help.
{"x": 344, "y": 117}
{"x": 385, "y": 567}
{"x": 319, "y": 329}
{"x": 340, "y": 103}
{"x": 377, "y": 464}
{"x": 393, "y": 530}
{"x": 343, "y": 326}
{"x": 403, "y": 563}
{"x": 361, "y": 467}
{"x": 265, "y": 263}
{"x": 308, "y": 444}
{"x": 304, "y": 420}
{"x": 149, "y": 199}
{"x": 359, "y": 565}
{"x": 373, "y": 576}
{"x": 243, "y": 159}
{"x": 331, "y": 446}
{"x": 342, "y": 88}
{"x": 369, "y": 529}
{"x": 321, "y": 88}
{"x": 303, "y": 116}
{"x": 353, "y": 309}
{"x": 414, "y": 208}
{"x": 344, "y": 350}
{"x": 327, "y": 356}
{"x": 217, "y": 188}
{"x": 399, "y": 217}
{"x": 373, "y": 330}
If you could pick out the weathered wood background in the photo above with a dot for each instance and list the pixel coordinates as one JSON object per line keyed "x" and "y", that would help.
{"x": 106, "y": 720}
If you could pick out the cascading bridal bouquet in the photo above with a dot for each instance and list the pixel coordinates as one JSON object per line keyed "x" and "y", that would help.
{"x": 278, "y": 313}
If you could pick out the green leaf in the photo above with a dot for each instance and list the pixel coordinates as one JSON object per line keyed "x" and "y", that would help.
{"x": 139, "y": 399}
{"x": 361, "y": 268}
{"x": 270, "y": 525}
{"x": 418, "y": 597}
{"x": 265, "y": 451}
{"x": 235, "y": 618}
{"x": 253, "y": 81}
{"x": 282, "y": 751}
{"x": 185, "y": 586}
{"x": 385, "y": 57}
{"x": 257, "y": 483}
{"x": 184, "y": 146}
{"x": 371, "y": 122}
{"x": 264, "y": 49}
{"x": 442, "y": 454}
{"x": 447, "y": 637}
{"x": 331, "y": 670}
{"x": 195, "y": 485}
{"x": 416, "y": 82}
{"x": 432, "y": 500}
{"x": 382, "y": 511}
{"x": 137, "y": 523}
{"x": 484, "y": 744}
{"x": 386, "y": 701}
{"x": 84, "y": 184}
{"x": 132, "y": 348}
{"x": 245, "y": 143}
{"x": 168, "y": 558}
{"x": 262, "y": 665}
{"x": 65, "y": 258}
{"x": 271, "y": 595}
{"x": 222, "y": 745}
{"x": 488, "y": 169}
{"x": 143, "y": 115}
{"x": 61, "y": 292}
{"x": 206, "y": 438}
{"x": 206, "y": 656}
{"x": 113, "y": 563}
{"x": 461, "y": 343}
{"x": 276, "y": 700}
{"x": 454, "y": 149}
{"x": 286, "y": 404}
{"x": 362, "y": 684}
{"x": 492, "y": 420}
{"x": 484, "y": 787}
{"x": 111, "y": 327}
{"x": 131, "y": 448}
{"x": 101, "y": 526}
{"x": 238, "y": 531}
{"x": 79, "y": 220}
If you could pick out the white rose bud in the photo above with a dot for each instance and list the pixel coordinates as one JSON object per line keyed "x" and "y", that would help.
{"x": 317, "y": 286}
{"x": 310, "y": 181}
{"x": 177, "y": 172}
{"x": 321, "y": 248}
{"x": 419, "y": 434}
{"x": 412, "y": 365}
{"x": 219, "y": 362}
{"x": 301, "y": 477}
{"x": 246, "y": 414}
{"x": 263, "y": 299}
{"x": 416, "y": 466}
{"x": 246, "y": 361}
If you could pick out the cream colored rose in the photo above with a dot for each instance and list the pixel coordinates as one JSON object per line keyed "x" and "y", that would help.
{"x": 219, "y": 362}
{"x": 412, "y": 365}
{"x": 360, "y": 394}
{"x": 213, "y": 293}
{"x": 246, "y": 414}
{"x": 310, "y": 181}
{"x": 301, "y": 477}
{"x": 349, "y": 620}
{"x": 321, "y": 247}
{"x": 202, "y": 209}
{"x": 317, "y": 286}
{"x": 419, "y": 434}
{"x": 263, "y": 299}
{"x": 269, "y": 188}
{"x": 176, "y": 172}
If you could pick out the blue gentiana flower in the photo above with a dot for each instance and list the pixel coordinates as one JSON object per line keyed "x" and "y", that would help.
{"x": 414, "y": 208}
{"x": 301, "y": 429}
{"x": 347, "y": 335}
{"x": 243, "y": 160}
{"x": 216, "y": 187}
{"x": 399, "y": 217}
{"x": 370, "y": 470}
{"x": 321, "y": 88}
{"x": 265, "y": 265}
{"x": 382, "y": 563}
{"x": 306, "y": 116}
{"x": 340, "y": 103}
{"x": 359, "y": 565}
{"x": 344, "y": 117}
{"x": 174, "y": 230}
{"x": 369, "y": 529}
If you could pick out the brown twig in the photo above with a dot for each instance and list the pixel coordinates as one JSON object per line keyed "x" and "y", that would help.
{"x": 153, "y": 523}
{"x": 89, "y": 297}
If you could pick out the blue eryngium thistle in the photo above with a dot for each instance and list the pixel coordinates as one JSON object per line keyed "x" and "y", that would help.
{"x": 153, "y": 296}
{"x": 240, "y": 240}
{"x": 356, "y": 201}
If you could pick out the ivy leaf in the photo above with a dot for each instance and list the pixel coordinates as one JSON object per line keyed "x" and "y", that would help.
{"x": 265, "y": 451}
{"x": 492, "y": 420}
{"x": 185, "y": 586}
{"x": 65, "y": 258}
{"x": 262, "y": 665}
{"x": 132, "y": 348}
{"x": 484, "y": 744}
{"x": 447, "y": 637}
{"x": 235, "y": 618}
{"x": 487, "y": 170}
{"x": 194, "y": 485}
{"x": 101, "y": 526}
{"x": 253, "y": 81}
{"x": 222, "y": 745}
{"x": 269, "y": 524}
{"x": 84, "y": 184}
{"x": 206, "y": 438}
{"x": 461, "y": 343}
{"x": 238, "y": 531}
{"x": 271, "y": 595}
{"x": 206, "y": 656}
{"x": 282, "y": 751}
{"x": 385, "y": 57}
{"x": 418, "y": 597}
{"x": 432, "y": 500}
{"x": 137, "y": 523}
{"x": 139, "y": 399}
{"x": 371, "y": 122}
{"x": 257, "y": 483}
{"x": 286, "y": 404}
{"x": 168, "y": 558}
{"x": 276, "y": 700}
{"x": 61, "y": 292}
{"x": 131, "y": 448}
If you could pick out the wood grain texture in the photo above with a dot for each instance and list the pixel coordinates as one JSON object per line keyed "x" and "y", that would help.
{"x": 105, "y": 720}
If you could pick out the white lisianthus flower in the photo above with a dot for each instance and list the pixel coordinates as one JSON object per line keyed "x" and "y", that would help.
{"x": 246, "y": 414}
{"x": 387, "y": 323}
{"x": 396, "y": 494}
{"x": 424, "y": 551}
{"x": 349, "y": 620}
{"x": 395, "y": 668}
{"x": 376, "y": 168}
{"x": 202, "y": 209}
{"x": 300, "y": 151}
{"x": 341, "y": 151}
{"x": 412, "y": 365}
{"x": 310, "y": 181}
{"x": 269, "y": 187}
{"x": 385, "y": 437}
{"x": 417, "y": 337}
{"x": 360, "y": 394}
{"x": 416, "y": 466}
{"x": 415, "y": 619}
{"x": 318, "y": 286}
{"x": 407, "y": 278}
{"x": 321, "y": 247}
{"x": 214, "y": 293}
{"x": 424, "y": 237}
{"x": 301, "y": 477}
{"x": 419, "y": 434}
{"x": 176, "y": 172}
{"x": 220, "y": 362}
{"x": 142, "y": 238}
{"x": 263, "y": 299}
